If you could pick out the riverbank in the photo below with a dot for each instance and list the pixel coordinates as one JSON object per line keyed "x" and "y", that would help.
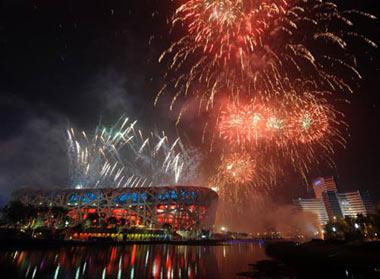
{"x": 336, "y": 259}
{"x": 27, "y": 244}
{"x": 319, "y": 251}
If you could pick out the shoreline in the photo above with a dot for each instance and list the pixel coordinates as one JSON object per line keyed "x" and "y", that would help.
{"x": 318, "y": 259}
{"x": 328, "y": 258}
{"x": 326, "y": 252}
{"x": 27, "y": 244}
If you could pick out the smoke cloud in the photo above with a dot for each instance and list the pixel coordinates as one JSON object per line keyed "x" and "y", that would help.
{"x": 33, "y": 155}
{"x": 263, "y": 214}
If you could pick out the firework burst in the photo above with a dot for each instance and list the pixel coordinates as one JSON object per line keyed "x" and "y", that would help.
{"x": 121, "y": 156}
{"x": 276, "y": 63}
{"x": 237, "y": 168}
{"x": 243, "y": 124}
{"x": 301, "y": 129}
{"x": 255, "y": 47}
{"x": 93, "y": 160}
{"x": 241, "y": 180}
{"x": 311, "y": 121}
{"x": 165, "y": 162}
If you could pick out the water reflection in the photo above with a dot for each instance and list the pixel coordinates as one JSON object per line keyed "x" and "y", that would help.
{"x": 134, "y": 261}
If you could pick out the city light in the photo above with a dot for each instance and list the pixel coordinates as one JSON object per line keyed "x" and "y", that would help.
{"x": 227, "y": 111}
{"x": 215, "y": 188}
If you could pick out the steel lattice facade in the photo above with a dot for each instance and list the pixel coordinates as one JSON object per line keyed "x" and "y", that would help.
{"x": 182, "y": 207}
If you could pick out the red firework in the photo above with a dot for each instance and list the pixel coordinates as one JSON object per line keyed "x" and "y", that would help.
{"x": 237, "y": 168}
{"x": 293, "y": 119}
{"x": 242, "y": 124}
{"x": 229, "y": 29}
{"x": 309, "y": 121}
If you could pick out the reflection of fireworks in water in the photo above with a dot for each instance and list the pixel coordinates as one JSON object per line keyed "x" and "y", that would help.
{"x": 122, "y": 157}
{"x": 258, "y": 45}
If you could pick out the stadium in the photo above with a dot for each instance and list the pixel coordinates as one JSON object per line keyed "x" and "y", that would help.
{"x": 185, "y": 208}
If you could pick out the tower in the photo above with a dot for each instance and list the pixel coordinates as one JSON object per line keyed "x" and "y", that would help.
{"x": 321, "y": 185}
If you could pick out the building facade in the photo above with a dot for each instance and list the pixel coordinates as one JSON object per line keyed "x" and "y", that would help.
{"x": 321, "y": 185}
{"x": 181, "y": 207}
{"x": 332, "y": 204}
{"x": 329, "y": 204}
{"x": 352, "y": 204}
{"x": 368, "y": 203}
{"x": 314, "y": 206}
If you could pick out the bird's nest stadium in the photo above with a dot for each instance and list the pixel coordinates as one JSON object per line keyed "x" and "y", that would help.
{"x": 181, "y": 207}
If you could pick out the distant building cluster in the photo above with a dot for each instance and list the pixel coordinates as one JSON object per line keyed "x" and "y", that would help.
{"x": 328, "y": 204}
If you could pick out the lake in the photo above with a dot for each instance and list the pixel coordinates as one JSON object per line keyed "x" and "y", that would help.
{"x": 134, "y": 261}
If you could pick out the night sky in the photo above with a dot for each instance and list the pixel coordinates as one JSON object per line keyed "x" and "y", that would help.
{"x": 78, "y": 62}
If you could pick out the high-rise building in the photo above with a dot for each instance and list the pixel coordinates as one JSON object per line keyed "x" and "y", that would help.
{"x": 352, "y": 204}
{"x": 322, "y": 184}
{"x": 329, "y": 204}
{"x": 315, "y": 206}
{"x": 368, "y": 203}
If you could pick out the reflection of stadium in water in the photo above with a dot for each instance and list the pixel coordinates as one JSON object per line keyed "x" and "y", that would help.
{"x": 134, "y": 261}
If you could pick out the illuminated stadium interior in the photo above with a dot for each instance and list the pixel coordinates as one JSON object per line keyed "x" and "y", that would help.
{"x": 181, "y": 207}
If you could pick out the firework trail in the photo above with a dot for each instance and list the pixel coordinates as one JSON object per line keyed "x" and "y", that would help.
{"x": 94, "y": 160}
{"x": 245, "y": 124}
{"x": 237, "y": 168}
{"x": 163, "y": 161}
{"x": 299, "y": 128}
{"x": 255, "y": 47}
{"x": 241, "y": 181}
{"x": 245, "y": 63}
{"x": 120, "y": 156}
{"x": 261, "y": 141}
